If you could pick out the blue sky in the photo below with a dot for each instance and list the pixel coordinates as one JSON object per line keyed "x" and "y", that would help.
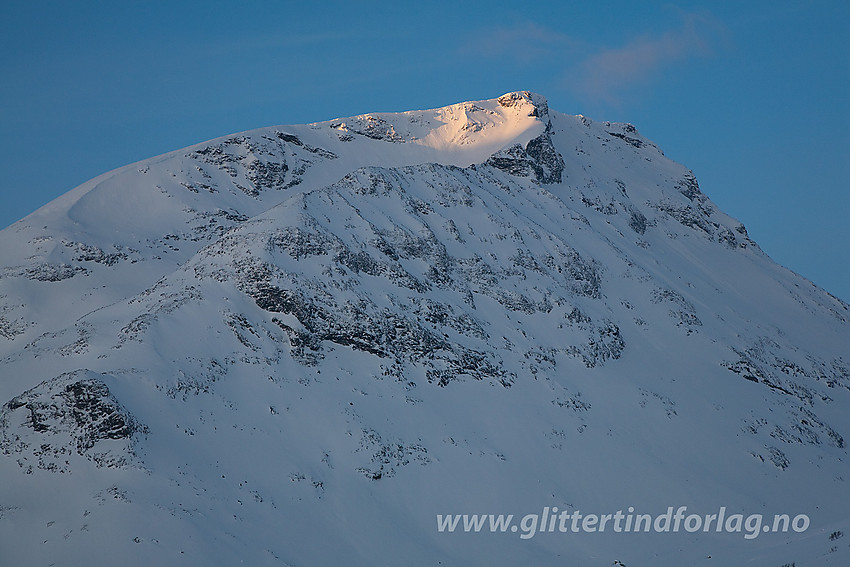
{"x": 753, "y": 96}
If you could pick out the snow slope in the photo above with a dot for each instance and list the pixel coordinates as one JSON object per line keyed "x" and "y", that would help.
{"x": 299, "y": 345}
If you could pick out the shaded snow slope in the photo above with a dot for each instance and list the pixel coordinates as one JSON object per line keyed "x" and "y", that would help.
{"x": 298, "y": 345}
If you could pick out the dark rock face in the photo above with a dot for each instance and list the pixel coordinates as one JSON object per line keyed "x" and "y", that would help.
{"x": 546, "y": 161}
{"x": 363, "y": 326}
{"x": 48, "y": 272}
{"x": 89, "y": 253}
{"x": 72, "y": 413}
{"x": 254, "y": 164}
{"x": 637, "y": 222}
{"x": 513, "y": 160}
{"x": 373, "y": 127}
{"x": 539, "y": 158}
{"x": 96, "y": 413}
{"x": 635, "y": 142}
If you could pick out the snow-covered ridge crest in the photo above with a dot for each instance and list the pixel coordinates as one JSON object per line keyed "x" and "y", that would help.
{"x": 476, "y": 128}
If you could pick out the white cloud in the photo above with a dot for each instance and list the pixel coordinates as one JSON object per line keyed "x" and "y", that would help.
{"x": 606, "y": 73}
{"x": 600, "y": 73}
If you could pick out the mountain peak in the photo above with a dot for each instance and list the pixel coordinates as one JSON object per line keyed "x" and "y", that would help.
{"x": 463, "y": 133}
{"x": 524, "y": 99}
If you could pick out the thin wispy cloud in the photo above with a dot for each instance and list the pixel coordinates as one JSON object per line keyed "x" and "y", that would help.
{"x": 602, "y": 73}
{"x": 522, "y": 42}
{"x": 609, "y": 73}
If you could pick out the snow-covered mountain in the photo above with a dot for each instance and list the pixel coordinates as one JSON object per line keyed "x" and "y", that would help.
{"x": 301, "y": 345}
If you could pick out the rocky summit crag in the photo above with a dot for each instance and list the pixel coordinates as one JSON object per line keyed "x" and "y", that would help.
{"x": 299, "y": 345}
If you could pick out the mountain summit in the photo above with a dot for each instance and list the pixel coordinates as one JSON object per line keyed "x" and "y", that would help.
{"x": 317, "y": 344}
